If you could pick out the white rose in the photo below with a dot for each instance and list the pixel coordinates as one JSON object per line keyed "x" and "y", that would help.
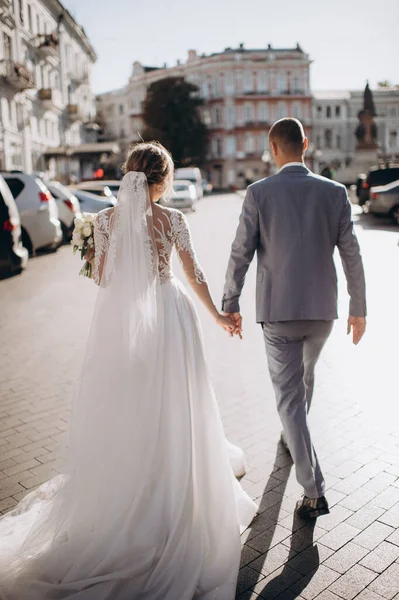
{"x": 77, "y": 239}
{"x": 89, "y": 217}
{"x": 86, "y": 231}
{"x": 90, "y": 242}
{"x": 78, "y": 223}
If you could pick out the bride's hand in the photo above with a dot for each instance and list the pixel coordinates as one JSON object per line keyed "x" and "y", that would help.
{"x": 226, "y": 323}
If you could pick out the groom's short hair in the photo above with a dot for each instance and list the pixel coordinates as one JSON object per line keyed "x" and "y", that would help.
{"x": 288, "y": 133}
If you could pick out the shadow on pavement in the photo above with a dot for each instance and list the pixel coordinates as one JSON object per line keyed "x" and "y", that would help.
{"x": 303, "y": 558}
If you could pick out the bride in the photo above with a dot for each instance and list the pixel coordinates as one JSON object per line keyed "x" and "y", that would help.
{"x": 149, "y": 508}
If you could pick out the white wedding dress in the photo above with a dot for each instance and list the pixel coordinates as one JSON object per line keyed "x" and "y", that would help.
{"x": 149, "y": 508}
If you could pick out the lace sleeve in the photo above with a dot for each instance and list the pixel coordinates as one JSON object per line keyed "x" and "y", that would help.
{"x": 185, "y": 249}
{"x": 101, "y": 243}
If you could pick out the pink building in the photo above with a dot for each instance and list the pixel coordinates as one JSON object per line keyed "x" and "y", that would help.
{"x": 245, "y": 91}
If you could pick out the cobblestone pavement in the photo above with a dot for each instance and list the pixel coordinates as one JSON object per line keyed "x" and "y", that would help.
{"x": 354, "y": 552}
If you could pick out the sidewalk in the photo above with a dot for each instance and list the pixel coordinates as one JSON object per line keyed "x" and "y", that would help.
{"x": 352, "y": 553}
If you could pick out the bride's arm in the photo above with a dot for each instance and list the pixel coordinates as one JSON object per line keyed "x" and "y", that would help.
{"x": 194, "y": 273}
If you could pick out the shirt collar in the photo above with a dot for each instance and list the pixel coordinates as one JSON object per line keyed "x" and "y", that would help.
{"x": 292, "y": 164}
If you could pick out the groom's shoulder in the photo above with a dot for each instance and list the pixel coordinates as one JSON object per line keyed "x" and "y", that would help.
{"x": 263, "y": 184}
{"x": 327, "y": 183}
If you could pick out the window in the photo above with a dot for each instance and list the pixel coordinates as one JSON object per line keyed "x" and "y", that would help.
{"x": 337, "y": 111}
{"x": 38, "y": 24}
{"x": 249, "y": 114}
{"x": 262, "y": 81}
{"x": 230, "y": 83}
{"x": 7, "y": 46}
{"x": 218, "y": 115}
{"x": 30, "y": 19}
{"x": 296, "y": 85}
{"x": 249, "y": 144}
{"x": 263, "y": 142}
{"x": 328, "y": 138}
{"x": 21, "y": 11}
{"x": 393, "y": 139}
{"x": 328, "y": 112}
{"x": 282, "y": 83}
{"x": 318, "y": 144}
{"x": 392, "y": 111}
{"x": 121, "y": 109}
{"x": 263, "y": 112}
{"x": 230, "y": 116}
{"x": 16, "y": 186}
{"x": 219, "y": 147}
{"x": 297, "y": 110}
{"x": 248, "y": 82}
{"x": 338, "y": 141}
{"x": 319, "y": 111}
{"x": 231, "y": 145}
{"x": 282, "y": 110}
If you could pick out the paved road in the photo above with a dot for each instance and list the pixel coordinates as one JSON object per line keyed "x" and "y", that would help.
{"x": 44, "y": 320}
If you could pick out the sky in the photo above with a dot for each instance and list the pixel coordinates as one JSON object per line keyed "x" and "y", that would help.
{"x": 349, "y": 41}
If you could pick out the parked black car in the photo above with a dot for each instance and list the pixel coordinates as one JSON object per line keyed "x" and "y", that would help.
{"x": 375, "y": 178}
{"x": 13, "y": 256}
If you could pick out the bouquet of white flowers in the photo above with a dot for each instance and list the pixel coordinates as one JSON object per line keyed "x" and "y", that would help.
{"x": 83, "y": 240}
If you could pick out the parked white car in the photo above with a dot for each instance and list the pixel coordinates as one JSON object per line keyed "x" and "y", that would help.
{"x": 185, "y": 195}
{"x": 37, "y": 209}
{"x": 67, "y": 204}
{"x": 192, "y": 174}
{"x": 91, "y": 203}
{"x": 13, "y": 256}
{"x": 384, "y": 200}
{"x": 99, "y": 188}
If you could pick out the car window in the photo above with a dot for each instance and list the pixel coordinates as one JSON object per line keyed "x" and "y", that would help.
{"x": 96, "y": 192}
{"x": 382, "y": 176}
{"x": 16, "y": 186}
{"x": 3, "y": 209}
{"x": 180, "y": 188}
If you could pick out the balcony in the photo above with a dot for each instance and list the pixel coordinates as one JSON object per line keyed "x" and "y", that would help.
{"x": 73, "y": 112}
{"x": 78, "y": 78}
{"x": 6, "y": 13}
{"x": 50, "y": 98}
{"x": 16, "y": 76}
{"x": 47, "y": 45}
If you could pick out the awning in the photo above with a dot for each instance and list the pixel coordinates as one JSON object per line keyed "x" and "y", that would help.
{"x": 83, "y": 149}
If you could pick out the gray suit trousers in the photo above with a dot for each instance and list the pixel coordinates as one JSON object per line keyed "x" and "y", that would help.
{"x": 293, "y": 348}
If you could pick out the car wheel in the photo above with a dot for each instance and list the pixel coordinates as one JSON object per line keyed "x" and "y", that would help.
{"x": 26, "y": 241}
{"x": 66, "y": 236}
{"x": 395, "y": 214}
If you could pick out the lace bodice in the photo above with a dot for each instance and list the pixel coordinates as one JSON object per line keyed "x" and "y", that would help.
{"x": 171, "y": 231}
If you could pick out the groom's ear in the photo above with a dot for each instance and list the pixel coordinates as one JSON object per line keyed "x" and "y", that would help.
{"x": 305, "y": 144}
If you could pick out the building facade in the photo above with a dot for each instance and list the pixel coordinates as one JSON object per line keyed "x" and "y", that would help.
{"x": 335, "y": 118}
{"x": 47, "y": 108}
{"x": 244, "y": 92}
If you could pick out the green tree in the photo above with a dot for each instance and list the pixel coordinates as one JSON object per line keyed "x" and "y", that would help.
{"x": 172, "y": 116}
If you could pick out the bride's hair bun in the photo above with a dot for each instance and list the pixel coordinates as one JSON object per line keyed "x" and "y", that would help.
{"x": 152, "y": 159}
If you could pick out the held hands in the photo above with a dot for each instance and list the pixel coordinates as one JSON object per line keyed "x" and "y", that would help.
{"x": 235, "y": 324}
{"x": 358, "y": 326}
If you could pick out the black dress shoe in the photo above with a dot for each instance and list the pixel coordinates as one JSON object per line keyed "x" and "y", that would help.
{"x": 311, "y": 508}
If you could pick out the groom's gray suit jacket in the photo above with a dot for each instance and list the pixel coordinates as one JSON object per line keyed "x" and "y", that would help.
{"x": 293, "y": 221}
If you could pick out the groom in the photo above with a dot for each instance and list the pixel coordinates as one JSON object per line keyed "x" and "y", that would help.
{"x": 293, "y": 221}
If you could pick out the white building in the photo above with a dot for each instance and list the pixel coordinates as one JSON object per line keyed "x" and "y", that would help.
{"x": 47, "y": 108}
{"x": 335, "y": 118}
{"x": 244, "y": 92}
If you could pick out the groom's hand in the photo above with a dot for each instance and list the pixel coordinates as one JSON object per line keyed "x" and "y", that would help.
{"x": 358, "y": 326}
{"x": 237, "y": 320}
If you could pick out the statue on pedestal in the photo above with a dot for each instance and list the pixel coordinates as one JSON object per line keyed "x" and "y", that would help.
{"x": 366, "y": 131}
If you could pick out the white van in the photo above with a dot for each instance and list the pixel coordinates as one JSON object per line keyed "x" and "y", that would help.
{"x": 192, "y": 174}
